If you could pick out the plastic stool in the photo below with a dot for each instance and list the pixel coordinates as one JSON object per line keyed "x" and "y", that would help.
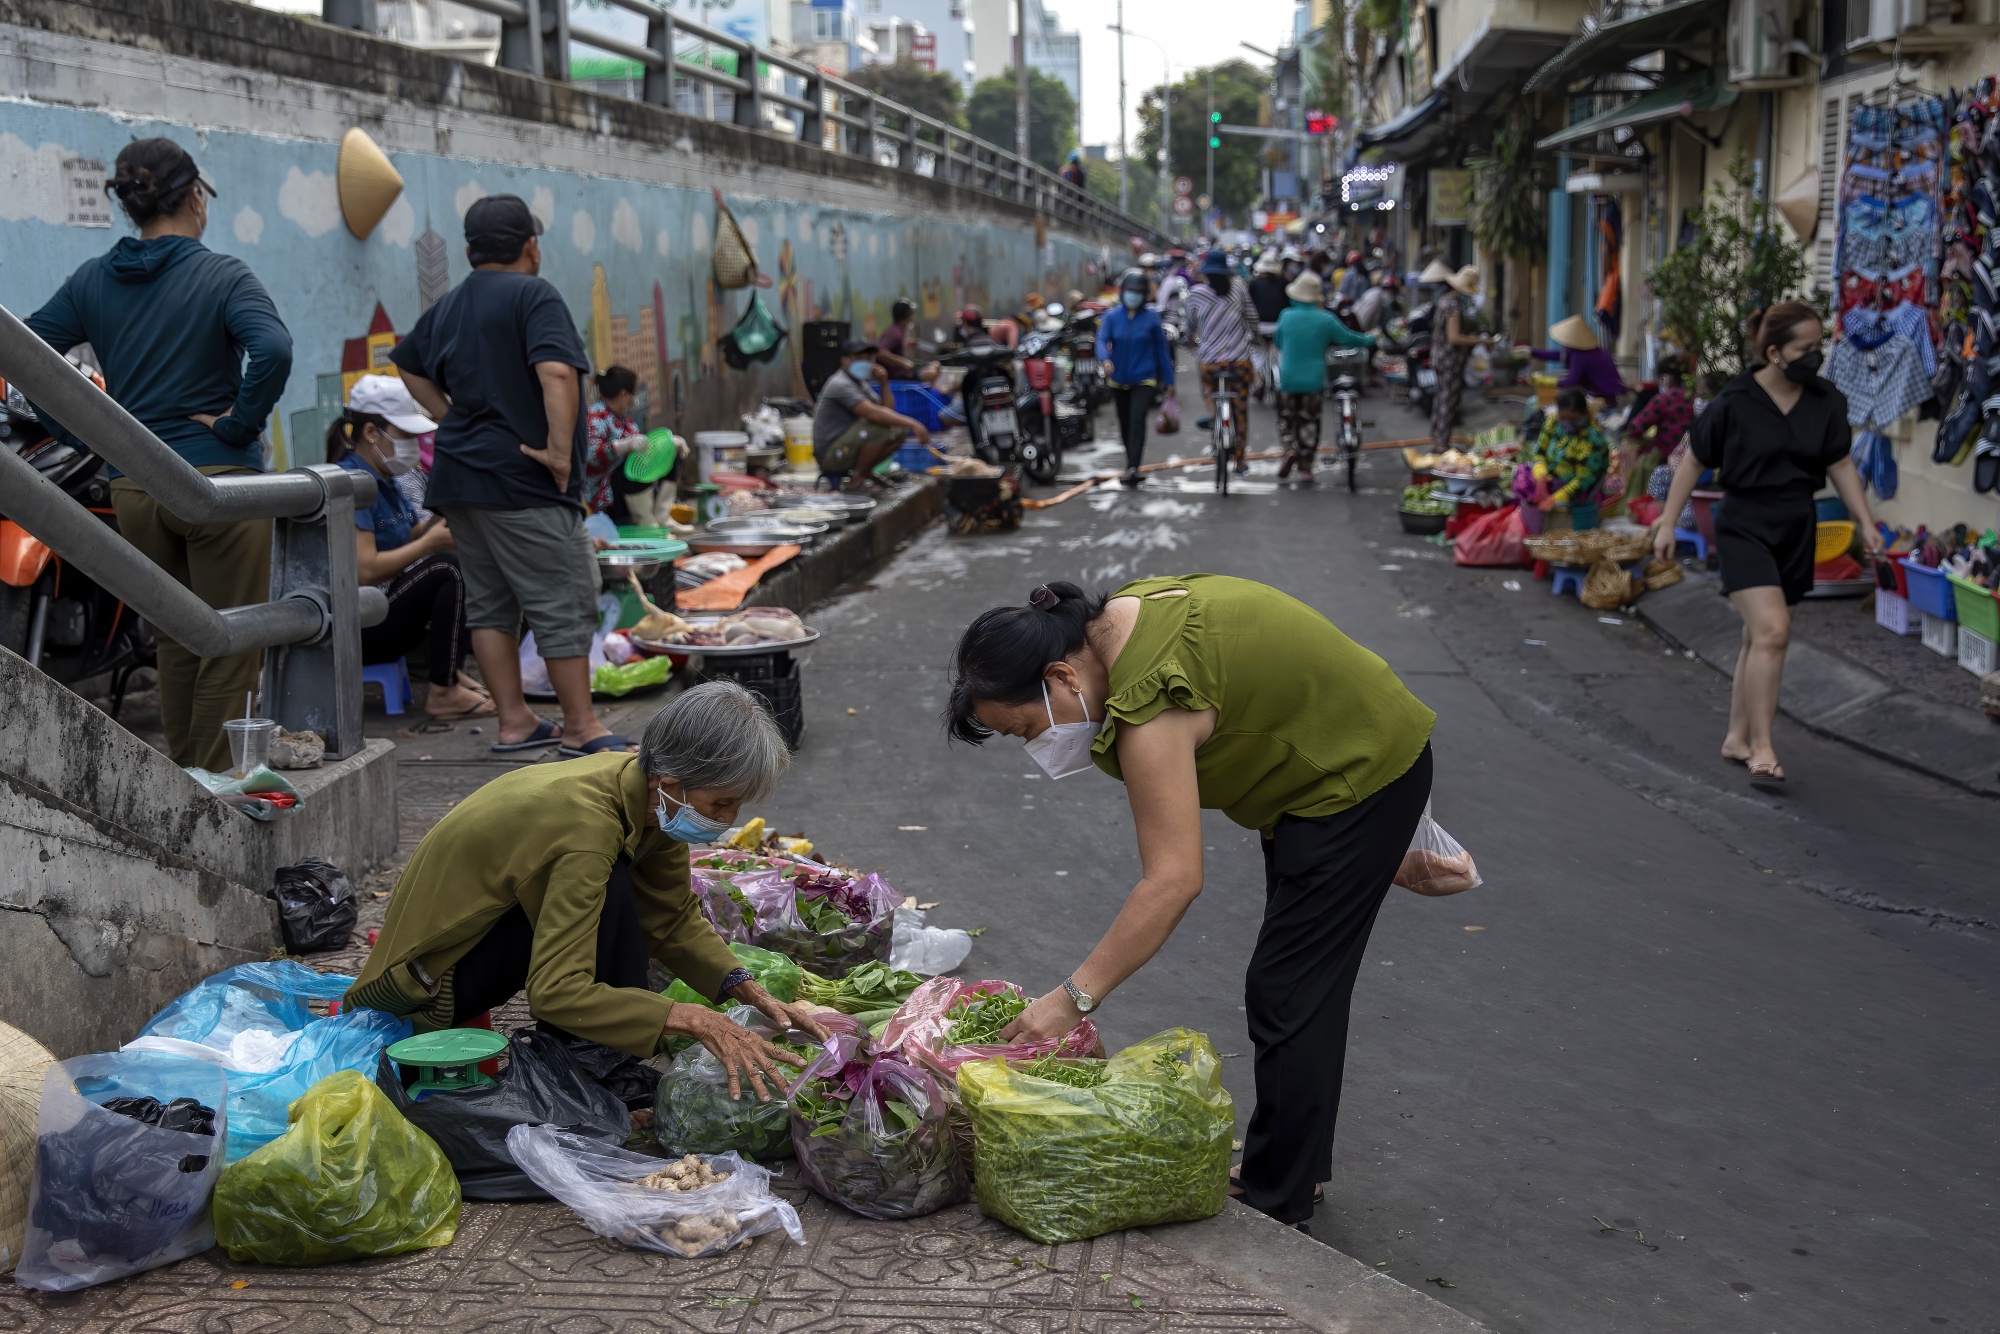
{"x": 1690, "y": 535}
{"x": 394, "y": 678}
{"x": 1565, "y": 574}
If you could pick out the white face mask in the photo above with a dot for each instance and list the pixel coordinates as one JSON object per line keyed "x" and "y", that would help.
{"x": 1064, "y": 748}
{"x": 406, "y": 458}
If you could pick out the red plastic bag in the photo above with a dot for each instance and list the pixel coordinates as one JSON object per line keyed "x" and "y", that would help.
{"x": 1492, "y": 539}
{"x": 1642, "y": 509}
{"x": 1167, "y": 421}
{"x": 921, "y": 1024}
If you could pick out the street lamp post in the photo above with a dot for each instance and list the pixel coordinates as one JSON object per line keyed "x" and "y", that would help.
{"x": 1166, "y": 117}
{"x": 1021, "y": 80}
{"x": 1123, "y": 203}
{"x": 1208, "y": 186}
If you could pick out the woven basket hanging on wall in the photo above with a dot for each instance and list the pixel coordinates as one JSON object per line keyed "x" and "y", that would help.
{"x": 23, "y": 1061}
{"x": 735, "y": 265}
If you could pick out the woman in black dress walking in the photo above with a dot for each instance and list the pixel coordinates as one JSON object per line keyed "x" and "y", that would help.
{"x": 1774, "y": 435}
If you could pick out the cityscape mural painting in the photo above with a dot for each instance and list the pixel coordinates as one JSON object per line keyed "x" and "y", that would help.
{"x": 630, "y": 257}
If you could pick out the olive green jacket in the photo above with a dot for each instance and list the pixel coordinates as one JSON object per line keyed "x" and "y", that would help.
{"x": 545, "y": 837}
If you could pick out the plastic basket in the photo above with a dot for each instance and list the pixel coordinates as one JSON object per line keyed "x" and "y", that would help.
{"x": 1832, "y": 539}
{"x": 1929, "y": 591}
{"x": 919, "y": 402}
{"x": 1893, "y": 613}
{"x": 1976, "y": 653}
{"x": 1977, "y": 610}
{"x": 915, "y": 458}
{"x": 1940, "y": 635}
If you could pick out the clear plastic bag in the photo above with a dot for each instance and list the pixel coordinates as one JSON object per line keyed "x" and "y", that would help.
{"x": 270, "y": 996}
{"x": 867, "y": 908}
{"x": 773, "y": 972}
{"x": 922, "y": 1029}
{"x": 601, "y": 1183}
{"x": 872, "y": 1134}
{"x": 113, "y": 1196}
{"x": 1436, "y": 864}
{"x": 929, "y": 950}
{"x": 349, "y": 1178}
{"x": 1141, "y": 1139}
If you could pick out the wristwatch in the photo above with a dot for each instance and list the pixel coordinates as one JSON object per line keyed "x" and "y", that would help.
{"x": 1084, "y": 1003}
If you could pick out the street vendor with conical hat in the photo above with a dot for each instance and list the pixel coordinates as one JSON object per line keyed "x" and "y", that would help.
{"x": 1587, "y": 365}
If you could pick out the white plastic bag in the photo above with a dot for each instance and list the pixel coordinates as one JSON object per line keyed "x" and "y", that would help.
{"x": 1436, "y": 864}
{"x": 926, "y": 950}
{"x": 112, "y": 1195}
{"x": 600, "y": 1182}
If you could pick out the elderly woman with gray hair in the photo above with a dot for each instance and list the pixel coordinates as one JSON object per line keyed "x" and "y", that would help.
{"x": 565, "y": 879}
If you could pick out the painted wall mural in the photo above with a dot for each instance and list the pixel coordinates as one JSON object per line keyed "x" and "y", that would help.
{"x": 630, "y": 257}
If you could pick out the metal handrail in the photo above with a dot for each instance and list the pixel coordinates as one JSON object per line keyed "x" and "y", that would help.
{"x": 534, "y": 39}
{"x": 317, "y": 608}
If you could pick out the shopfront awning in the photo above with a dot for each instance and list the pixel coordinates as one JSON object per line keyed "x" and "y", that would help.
{"x": 1405, "y": 131}
{"x": 1689, "y": 27}
{"x": 1491, "y": 63}
{"x": 1674, "y": 99}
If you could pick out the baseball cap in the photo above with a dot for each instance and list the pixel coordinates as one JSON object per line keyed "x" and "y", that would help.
{"x": 386, "y": 396}
{"x": 496, "y": 227}
{"x": 855, "y": 347}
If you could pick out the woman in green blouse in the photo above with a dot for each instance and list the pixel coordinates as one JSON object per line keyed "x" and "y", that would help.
{"x": 1210, "y": 692}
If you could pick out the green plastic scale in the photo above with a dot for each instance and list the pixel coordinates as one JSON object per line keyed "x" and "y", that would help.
{"x": 448, "y": 1060}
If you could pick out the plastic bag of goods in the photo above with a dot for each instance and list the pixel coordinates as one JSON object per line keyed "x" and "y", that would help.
{"x": 1069, "y": 1149}
{"x": 128, "y": 1146}
{"x": 772, "y": 971}
{"x": 871, "y": 992}
{"x": 870, "y": 1132}
{"x": 725, "y": 906}
{"x": 349, "y": 1178}
{"x": 928, "y": 950}
{"x": 947, "y": 1022}
{"x": 690, "y": 1208}
{"x": 316, "y": 908}
{"x": 1436, "y": 864}
{"x": 539, "y": 1085}
{"x": 824, "y": 919}
{"x": 693, "y": 1112}
{"x": 274, "y": 997}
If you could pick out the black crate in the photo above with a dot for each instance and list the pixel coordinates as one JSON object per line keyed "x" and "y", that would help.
{"x": 774, "y": 678}
{"x": 819, "y": 352}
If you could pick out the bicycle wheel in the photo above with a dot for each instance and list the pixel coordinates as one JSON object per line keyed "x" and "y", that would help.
{"x": 1350, "y": 449}
{"x": 1219, "y": 446}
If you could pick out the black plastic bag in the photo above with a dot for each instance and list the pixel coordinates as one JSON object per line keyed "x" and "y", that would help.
{"x": 540, "y": 1085}
{"x": 316, "y": 908}
{"x": 629, "y": 1079}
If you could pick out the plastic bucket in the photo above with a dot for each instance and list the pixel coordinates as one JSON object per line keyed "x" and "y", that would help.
{"x": 799, "y": 442}
{"x": 721, "y": 451}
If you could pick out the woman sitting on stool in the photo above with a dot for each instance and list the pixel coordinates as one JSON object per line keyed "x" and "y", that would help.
{"x": 409, "y": 558}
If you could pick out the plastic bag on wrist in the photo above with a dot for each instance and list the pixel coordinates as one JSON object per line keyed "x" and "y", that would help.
{"x": 1436, "y": 863}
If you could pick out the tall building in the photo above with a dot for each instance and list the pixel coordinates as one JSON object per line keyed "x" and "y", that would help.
{"x": 945, "y": 42}
{"x": 992, "y": 37}
{"x": 1055, "y": 50}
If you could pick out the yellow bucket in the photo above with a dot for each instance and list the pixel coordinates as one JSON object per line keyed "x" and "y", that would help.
{"x": 799, "y": 453}
{"x": 1832, "y": 540}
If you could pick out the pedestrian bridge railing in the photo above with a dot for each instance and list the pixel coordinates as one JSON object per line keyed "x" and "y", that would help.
{"x": 823, "y": 109}
{"x": 317, "y": 607}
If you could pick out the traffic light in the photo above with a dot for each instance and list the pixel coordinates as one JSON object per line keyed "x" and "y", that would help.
{"x": 1214, "y": 139}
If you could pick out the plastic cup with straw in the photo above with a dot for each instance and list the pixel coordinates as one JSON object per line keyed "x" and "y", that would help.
{"x": 249, "y": 739}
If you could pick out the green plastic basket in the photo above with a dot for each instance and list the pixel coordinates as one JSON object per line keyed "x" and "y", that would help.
{"x": 656, "y": 460}
{"x": 1978, "y": 609}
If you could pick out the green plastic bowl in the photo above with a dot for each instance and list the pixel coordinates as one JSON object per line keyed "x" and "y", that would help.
{"x": 656, "y": 460}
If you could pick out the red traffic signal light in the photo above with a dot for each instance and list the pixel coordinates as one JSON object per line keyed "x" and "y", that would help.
{"x": 1321, "y": 122}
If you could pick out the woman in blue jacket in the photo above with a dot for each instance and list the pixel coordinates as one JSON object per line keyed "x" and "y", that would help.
{"x": 1132, "y": 348}
{"x": 172, "y": 324}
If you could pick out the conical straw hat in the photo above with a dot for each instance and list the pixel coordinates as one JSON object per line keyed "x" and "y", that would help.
{"x": 1799, "y": 204}
{"x": 368, "y": 183}
{"x": 1573, "y": 333}
{"x": 735, "y": 266}
{"x": 23, "y": 1061}
{"x": 1438, "y": 272}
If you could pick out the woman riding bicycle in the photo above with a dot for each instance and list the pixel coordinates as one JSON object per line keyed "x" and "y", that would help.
{"x": 1225, "y": 329}
{"x": 1305, "y": 331}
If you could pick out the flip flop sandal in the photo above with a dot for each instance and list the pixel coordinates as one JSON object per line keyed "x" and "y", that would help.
{"x": 1765, "y": 774}
{"x": 546, "y": 733}
{"x": 597, "y": 746}
{"x": 486, "y": 708}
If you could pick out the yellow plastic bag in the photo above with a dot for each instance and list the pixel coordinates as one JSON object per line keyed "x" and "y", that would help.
{"x": 349, "y": 1178}
{"x": 1070, "y": 1149}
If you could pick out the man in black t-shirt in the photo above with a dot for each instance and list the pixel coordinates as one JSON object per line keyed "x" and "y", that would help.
{"x": 498, "y": 364}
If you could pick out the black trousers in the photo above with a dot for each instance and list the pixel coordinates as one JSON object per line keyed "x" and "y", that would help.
{"x": 493, "y": 971}
{"x": 1324, "y": 881}
{"x": 426, "y": 606}
{"x": 1133, "y": 406}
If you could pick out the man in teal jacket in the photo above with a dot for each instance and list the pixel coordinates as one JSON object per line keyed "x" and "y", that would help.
{"x": 1305, "y": 330}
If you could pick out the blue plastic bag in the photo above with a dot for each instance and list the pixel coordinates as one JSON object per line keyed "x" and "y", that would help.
{"x": 259, "y": 1105}
{"x": 270, "y": 996}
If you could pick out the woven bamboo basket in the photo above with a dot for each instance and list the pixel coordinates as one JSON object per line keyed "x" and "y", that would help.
{"x": 1606, "y": 588}
{"x": 1663, "y": 574}
{"x": 734, "y": 265}
{"x": 1619, "y": 548}
{"x": 23, "y": 1062}
{"x": 1557, "y": 549}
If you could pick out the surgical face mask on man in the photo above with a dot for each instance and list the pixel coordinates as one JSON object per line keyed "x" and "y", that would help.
{"x": 1132, "y": 300}
{"x": 686, "y": 824}
{"x": 1064, "y": 748}
{"x": 863, "y": 370}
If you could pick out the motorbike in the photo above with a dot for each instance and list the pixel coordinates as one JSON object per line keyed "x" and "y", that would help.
{"x": 51, "y": 613}
{"x": 1086, "y": 387}
{"x": 990, "y": 414}
{"x": 1037, "y": 411}
{"x": 1414, "y": 341}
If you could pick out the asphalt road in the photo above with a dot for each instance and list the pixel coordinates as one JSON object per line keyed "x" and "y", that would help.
{"x": 1693, "y": 1058}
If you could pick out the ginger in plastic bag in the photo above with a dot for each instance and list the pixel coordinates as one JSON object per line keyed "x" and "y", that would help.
{"x": 350, "y": 1178}
{"x": 1436, "y": 864}
{"x": 1069, "y": 1149}
{"x": 640, "y": 1201}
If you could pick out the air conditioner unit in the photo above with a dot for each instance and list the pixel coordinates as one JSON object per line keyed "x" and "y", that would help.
{"x": 1762, "y": 51}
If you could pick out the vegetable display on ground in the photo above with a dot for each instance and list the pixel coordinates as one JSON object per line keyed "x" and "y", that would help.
{"x": 870, "y": 1133}
{"x": 948, "y": 1021}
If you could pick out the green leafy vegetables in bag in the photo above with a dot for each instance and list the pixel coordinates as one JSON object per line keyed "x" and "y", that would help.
{"x": 870, "y": 1131}
{"x": 872, "y": 986}
{"x": 693, "y": 1112}
{"x": 976, "y": 1020}
{"x": 774, "y": 972}
{"x": 1071, "y": 1149}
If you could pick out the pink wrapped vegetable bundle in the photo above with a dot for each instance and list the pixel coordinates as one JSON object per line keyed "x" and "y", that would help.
{"x": 948, "y": 1021}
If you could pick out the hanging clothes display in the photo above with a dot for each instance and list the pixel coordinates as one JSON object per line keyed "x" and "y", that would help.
{"x": 1968, "y": 309}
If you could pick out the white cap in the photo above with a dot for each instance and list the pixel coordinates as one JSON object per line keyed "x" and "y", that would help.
{"x": 385, "y": 396}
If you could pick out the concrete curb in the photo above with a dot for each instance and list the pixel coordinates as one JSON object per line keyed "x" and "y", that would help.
{"x": 1318, "y": 1285}
{"x": 1838, "y": 697}
{"x": 814, "y": 575}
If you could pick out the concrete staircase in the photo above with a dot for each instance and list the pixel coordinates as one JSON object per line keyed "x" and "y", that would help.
{"x": 123, "y": 882}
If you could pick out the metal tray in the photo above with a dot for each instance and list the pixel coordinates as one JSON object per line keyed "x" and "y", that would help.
{"x": 737, "y": 544}
{"x": 810, "y": 638}
{"x": 763, "y": 525}
{"x": 858, "y": 508}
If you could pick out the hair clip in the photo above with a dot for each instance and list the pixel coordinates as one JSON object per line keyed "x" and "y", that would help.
{"x": 1043, "y": 597}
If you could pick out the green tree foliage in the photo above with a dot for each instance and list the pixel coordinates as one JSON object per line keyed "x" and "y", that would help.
{"x": 1739, "y": 262}
{"x": 1239, "y": 88}
{"x": 933, "y": 92}
{"x": 1508, "y": 187}
{"x": 1051, "y": 116}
